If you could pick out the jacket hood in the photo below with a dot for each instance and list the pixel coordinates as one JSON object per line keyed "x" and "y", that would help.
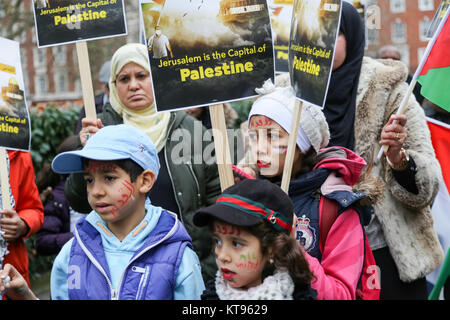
{"x": 347, "y": 163}
{"x": 353, "y": 170}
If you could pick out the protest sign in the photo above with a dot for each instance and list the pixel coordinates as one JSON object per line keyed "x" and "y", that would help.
{"x": 204, "y": 53}
{"x": 314, "y": 31}
{"x": 280, "y": 17}
{"x": 65, "y": 21}
{"x": 313, "y": 35}
{"x": 14, "y": 117}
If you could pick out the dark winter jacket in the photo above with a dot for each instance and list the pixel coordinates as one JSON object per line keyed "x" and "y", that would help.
{"x": 55, "y": 231}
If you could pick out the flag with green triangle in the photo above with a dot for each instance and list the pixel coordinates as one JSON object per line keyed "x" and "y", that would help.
{"x": 435, "y": 74}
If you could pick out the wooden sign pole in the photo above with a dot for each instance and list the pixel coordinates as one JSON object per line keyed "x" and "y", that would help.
{"x": 287, "y": 171}
{"x": 221, "y": 144}
{"x": 4, "y": 180}
{"x": 86, "y": 80}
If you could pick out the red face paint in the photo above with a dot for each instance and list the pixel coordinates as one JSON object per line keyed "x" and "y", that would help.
{"x": 227, "y": 229}
{"x": 127, "y": 193}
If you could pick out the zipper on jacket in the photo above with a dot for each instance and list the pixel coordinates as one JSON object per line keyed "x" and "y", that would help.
{"x": 168, "y": 235}
{"x": 144, "y": 276}
{"x": 191, "y": 169}
{"x": 113, "y": 293}
{"x": 171, "y": 180}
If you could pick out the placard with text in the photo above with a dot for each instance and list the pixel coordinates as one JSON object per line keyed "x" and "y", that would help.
{"x": 204, "y": 53}
{"x": 280, "y": 17}
{"x": 314, "y": 31}
{"x": 14, "y": 117}
{"x": 65, "y": 21}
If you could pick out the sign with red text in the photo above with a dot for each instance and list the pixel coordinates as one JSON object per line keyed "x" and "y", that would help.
{"x": 204, "y": 53}
{"x": 280, "y": 17}
{"x": 14, "y": 117}
{"x": 66, "y": 21}
{"x": 314, "y": 31}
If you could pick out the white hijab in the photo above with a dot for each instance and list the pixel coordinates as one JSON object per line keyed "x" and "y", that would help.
{"x": 154, "y": 124}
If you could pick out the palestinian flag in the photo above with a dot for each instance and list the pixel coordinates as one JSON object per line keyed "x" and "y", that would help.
{"x": 435, "y": 74}
{"x": 440, "y": 138}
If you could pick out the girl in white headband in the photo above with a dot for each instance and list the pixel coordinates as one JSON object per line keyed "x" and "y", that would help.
{"x": 336, "y": 254}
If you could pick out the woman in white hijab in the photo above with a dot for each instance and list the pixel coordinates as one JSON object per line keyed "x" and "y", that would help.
{"x": 182, "y": 186}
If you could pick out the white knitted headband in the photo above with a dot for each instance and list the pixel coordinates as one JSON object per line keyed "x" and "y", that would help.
{"x": 278, "y": 103}
{"x": 277, "y": 111}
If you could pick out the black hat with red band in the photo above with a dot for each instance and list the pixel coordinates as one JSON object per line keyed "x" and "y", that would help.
{"x": 248, "y": 203}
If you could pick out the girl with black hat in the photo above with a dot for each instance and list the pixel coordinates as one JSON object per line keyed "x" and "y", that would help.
{"x": 256, "y": 256}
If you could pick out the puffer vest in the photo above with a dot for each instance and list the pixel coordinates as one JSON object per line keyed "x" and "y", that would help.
{"x": 305, "y": 194}
{"x": 150, "y": 274}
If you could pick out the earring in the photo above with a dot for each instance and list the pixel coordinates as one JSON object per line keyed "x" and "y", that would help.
{"x": 271, "y": 260}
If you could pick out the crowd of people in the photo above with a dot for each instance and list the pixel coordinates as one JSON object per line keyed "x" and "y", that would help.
{"x": 128, "y": 220}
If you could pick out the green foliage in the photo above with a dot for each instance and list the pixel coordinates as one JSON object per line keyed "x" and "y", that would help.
{"x": 243, "y": 108}
{"x": 49, "y": 128}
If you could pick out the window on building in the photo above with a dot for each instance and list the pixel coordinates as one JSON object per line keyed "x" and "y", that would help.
{"x": 62, "y": 83}
{"x": 78, "y": 85}
{"x": 373, "y": 37}
{"x": 398, "y": 32}
{"x": 424, "y": 25}
{"x": 59, "y": 53}
{"x": 23, "y": 59}
{"x": 426, "y": 5}
{"x": 42, "y": 85}
{"x": 397, "y": 6}
{"x": 420, "y": 53}
{"x": 41, "y": 56}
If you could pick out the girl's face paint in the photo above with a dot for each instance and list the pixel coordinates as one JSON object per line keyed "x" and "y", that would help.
{"x": 110, "y": 192}
{"x": 238, "y": 255}
{"x": 268, "y": 143}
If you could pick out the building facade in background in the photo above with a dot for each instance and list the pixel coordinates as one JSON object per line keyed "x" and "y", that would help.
{"x": 51, "y": 74}
{"x": 402, "y": 23}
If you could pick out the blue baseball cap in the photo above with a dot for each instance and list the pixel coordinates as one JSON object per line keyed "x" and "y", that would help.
{"x": 115, "y": 142}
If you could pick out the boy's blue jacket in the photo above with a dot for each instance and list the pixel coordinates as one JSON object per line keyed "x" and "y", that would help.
{"x": 154, "y": 261}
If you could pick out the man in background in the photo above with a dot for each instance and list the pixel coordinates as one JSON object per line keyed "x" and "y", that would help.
{"x": 159, "y": 44}
{"x": 391, "y": 52}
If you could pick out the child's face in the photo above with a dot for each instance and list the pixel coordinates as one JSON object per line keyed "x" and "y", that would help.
{"x": 238, "y": 255}
{"x": 110, "y": 190}
{"x": 268, "y": 143}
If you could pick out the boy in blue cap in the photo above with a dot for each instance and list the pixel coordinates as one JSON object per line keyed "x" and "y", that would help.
{"x": 125, "y": 248}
